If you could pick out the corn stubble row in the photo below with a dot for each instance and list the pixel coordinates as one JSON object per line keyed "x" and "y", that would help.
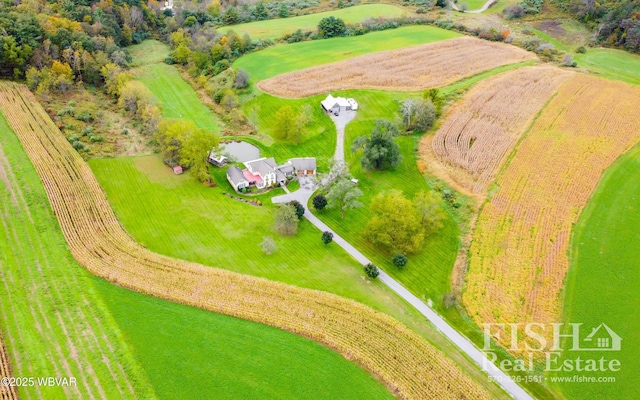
{"x": 519, "y": 255}
{"x": 407, "y": 69}
{"x": 405, "y": 362}
{"x": 6, "y": 392}
{"x": 484, "y": 127}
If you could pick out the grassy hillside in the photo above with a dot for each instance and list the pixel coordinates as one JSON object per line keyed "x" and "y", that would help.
{"x": 275, "y": 28}
{"x": 173, "y": 95}
{"x": 54, "y": 321}
{"x": 285, "y": 58}
{"x": 613, "y": 64}
{"x": 216, "y": 356}
{"x": 602, "y": 285}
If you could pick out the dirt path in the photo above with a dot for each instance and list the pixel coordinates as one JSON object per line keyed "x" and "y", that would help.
{"x": 478, "y": 11}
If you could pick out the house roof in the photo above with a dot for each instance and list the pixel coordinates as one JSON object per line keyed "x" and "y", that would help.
{"x": 235, "y": 175}
{"x": 262, "y": 166}
{"x": 177, "y": 168}
{"x": 307, "y": 163}
{"x": 285, "y": 168}
{"x": 331, "y": 102}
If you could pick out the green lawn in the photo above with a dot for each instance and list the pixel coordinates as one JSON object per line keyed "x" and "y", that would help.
{"x": 602, "y": 284}
{"x": 428, "y": 273}
{"x": 613, "y": 64}
{"x": 285, "y": 58}
{"x": 275, "y": 28}
{"x": 318, "y": 138}
{"x": 194, "y": 354}
{"x": 53, "y": 319}
{"x": 177, "y": 216}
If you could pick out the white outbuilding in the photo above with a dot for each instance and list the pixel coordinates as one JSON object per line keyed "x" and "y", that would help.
{"x": 337, "y": 104}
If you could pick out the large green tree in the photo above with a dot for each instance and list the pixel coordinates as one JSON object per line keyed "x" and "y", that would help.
{"x": 286, "y": 220}
{"x": 285, "y": 123}
{"x": 430, "y": 212}
{"x": 195, "y": 150}
{"x": 395, "y": 224}
{"x": 380, "y": 150}
{"x": 331, "y": 27}
{"x": 344, "y": 195}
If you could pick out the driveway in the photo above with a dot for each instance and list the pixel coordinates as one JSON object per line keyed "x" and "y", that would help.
{"x": 341, "y": 120}
{"x": 304, "y": 194}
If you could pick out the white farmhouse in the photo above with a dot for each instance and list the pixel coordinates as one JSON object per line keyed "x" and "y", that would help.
{"x": 338, "y": 104}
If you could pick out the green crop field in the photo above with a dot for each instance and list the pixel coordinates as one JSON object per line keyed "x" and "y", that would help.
{"x": 172, "y": 94}
{"x": 285, "y": 58}
{"x": 275, "y": 28}
{"x": 602, "y": 284}
{"x": 193, "y": 354}
{"x": 428, "y": 273}
{"x": 48, "y": 308}
{"x": 613, "y": 64}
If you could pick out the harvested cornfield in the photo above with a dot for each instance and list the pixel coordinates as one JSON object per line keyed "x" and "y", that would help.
{"x": 6, "y": 392}
{"x": 481, "y": 130}
{"x": 519, "y": 252}
{"x": 408, "y": 69}
{"x": 406, "y": 363}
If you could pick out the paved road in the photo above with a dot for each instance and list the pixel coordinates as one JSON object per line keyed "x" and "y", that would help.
{"x": 304, "y": 194}
{"x": 478, "y": 11}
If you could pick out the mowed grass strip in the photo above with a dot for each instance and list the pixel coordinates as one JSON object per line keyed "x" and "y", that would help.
{"x": 407, "y": 364}
{"x": 602, "y": 284}
{"x": 53, "y": 322}
{"x": 409, "y": 69}
{"x": 519, "y": 252}
{"x": 175, "y": 97}
{"x": 285, "y": 58}
{"x": 275, "y": 28}
{"x": 222, "y": 357}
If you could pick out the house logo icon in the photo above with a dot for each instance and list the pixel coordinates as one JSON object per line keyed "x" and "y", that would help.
{"x": 602, "y": 338}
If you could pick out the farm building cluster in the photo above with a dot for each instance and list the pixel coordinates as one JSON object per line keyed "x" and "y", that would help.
{"x": 336, "y": 105}
{"x": 264, "y": 172}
